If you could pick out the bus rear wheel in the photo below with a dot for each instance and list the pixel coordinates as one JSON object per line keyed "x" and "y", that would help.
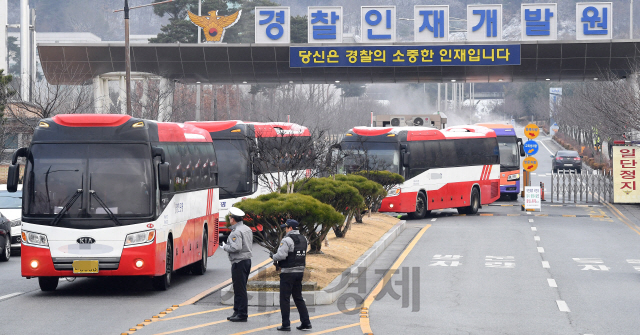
{"x": 473, "y": 205}
{"x": 48, "y": 284}
{"x": 421, "y": 208}
{"x": 200, "y": 267}
{"x": 162, "y": 283}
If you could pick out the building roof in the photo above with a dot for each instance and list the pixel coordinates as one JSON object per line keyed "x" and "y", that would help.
{"x": 268, "y": 64}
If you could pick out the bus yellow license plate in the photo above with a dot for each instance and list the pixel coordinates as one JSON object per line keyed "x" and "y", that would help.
{"x": 85, "y": 266}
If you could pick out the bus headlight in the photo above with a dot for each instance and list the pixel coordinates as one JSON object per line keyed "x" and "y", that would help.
{"x": 513, "y": 177}
{"x": 141, "y": 237}
{"x": 34, "y": 238}
{"x": 394, "y": 191}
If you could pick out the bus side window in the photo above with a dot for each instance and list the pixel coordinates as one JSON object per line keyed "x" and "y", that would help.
{"x": 448, "y": 155}
{"x": 212, "y": 166}
{"x": 419, "y": 161}
{"x": 196, "y": 166}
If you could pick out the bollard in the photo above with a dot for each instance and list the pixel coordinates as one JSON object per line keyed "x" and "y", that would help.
{"x": 542, "y": 191}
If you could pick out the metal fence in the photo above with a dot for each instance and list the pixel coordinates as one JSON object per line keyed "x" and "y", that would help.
{"x": 592, "y": 186}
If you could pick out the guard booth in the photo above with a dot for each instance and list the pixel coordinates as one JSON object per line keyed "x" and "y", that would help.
{"x": 438, "y": 121}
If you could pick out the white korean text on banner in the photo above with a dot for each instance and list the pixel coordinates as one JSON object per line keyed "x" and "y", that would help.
{"x": 593, "y": 20}
{"x": 431, "y": 23}
{"x": 484, "y": 22}
{"x": 625, "y": 174}
{"x": 539, "y": 21}
{"x": 378, "y": 24}
{"x": 324, "y": 24}
{"x": 273, "y": 25}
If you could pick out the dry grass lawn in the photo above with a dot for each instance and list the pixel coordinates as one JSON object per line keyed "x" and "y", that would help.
{"x": 341, "y": 252}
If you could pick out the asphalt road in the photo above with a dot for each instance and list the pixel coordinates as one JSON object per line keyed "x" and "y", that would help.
{"x": 571, "y": 269}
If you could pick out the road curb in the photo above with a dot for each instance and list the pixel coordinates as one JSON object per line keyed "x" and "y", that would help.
{"x": 331, "y": 293}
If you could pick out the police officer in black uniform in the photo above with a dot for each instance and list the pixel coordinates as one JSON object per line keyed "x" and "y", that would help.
{"x": 291, "y": 257}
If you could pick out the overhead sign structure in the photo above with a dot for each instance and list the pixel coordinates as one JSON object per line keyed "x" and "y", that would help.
{"x": 539, "y": 21}
{"x": 532, "y": 198}
{"x": 325, "y": 24}
{"x": 625, "y": 174}
{"x": 431, "y": 23}
{"x": 593, "y": 20}
{"x": 530, "y": 164}
{"x": 432, "y": 55}
{"x": 531, "y": 131}
{"x": 484, "y": 23}
{"x": 273, "y": 25}
{"x": 531, "y": 147}
{"x": 378, "y": 24}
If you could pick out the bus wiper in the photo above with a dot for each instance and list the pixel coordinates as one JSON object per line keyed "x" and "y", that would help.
{"x": 66, "y": 207}
{"x": 106, "y": 209}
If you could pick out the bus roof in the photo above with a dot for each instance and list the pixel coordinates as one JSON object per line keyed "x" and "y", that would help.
{"x": 115, "y": 127}
{"x": 262, "y": 129}
{"x": 425, "y": 133}
{"x": 501, "y": 129}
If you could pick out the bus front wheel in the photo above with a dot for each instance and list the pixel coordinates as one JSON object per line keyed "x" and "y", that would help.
{"x": 421, "y": 208}
{"x": 162, "y": 283}
{"x": 48, "y": 283}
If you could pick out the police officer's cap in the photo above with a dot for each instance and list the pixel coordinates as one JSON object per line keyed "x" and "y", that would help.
{"x": 290, "y": 223}
{"x": 236, "y": 212}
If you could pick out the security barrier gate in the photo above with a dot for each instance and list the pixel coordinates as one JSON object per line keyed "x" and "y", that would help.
{"x": 592, "y": 186}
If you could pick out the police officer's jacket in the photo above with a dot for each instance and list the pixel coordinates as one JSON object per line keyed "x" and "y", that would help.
{"x": 239, "y": 243}
{"x": 291, "y": 255}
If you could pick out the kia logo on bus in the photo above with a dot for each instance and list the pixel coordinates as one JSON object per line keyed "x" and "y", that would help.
{"x": 86, "y": 240}
{"x": 150, "y": 225}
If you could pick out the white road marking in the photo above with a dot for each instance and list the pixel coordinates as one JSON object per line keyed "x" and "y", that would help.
{"x": 546, "y": 147}
{"x": 530, "y": 220}
{"x": 9, "y": 296}
{"x": 533, "y": 173}
{"x": 528, "y": 213}
{"x": 545, "y": 264}
{"x": 552, "y": 282}
{"x": 534, "y": 229}
{"x": 562, "y": 306}
{"x": 541, "y": 250}
{"x": 536, "y": 238}
{"x": 433, "y": 219}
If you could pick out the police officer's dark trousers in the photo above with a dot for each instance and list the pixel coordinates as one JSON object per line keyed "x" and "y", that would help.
{"x": 240, "y": 275}
{"x": 291, "y": 284}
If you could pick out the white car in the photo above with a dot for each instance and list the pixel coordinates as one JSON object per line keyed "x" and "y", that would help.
{"x": 11, "y": 208}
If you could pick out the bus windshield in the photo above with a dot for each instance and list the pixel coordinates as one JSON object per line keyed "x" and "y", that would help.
{"x": 234, "y": 174}
{"x": 118, "y": 174}
{"x": 509, "y": 153}
{"x": 371, "y": 156}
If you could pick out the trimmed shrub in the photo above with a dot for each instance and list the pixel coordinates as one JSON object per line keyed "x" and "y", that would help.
{"x": 343, "y": 197}
{"x": 387, "y": 179}
{"x": 369, "y": 190}
{"x": 272, "y": 210}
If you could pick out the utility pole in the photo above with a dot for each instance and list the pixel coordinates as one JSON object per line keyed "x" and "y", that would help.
{"x": 4, "y": 46}
{"x": 127, "y": 53}
{"x": 199, "y": 88}
{"x": 25, "y": 39}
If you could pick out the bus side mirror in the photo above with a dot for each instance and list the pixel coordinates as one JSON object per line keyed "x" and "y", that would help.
{"x": 521, "y": 146}
{"x": 13, "y": 178}
{"x": 164, "y": 178}
{"x": 406, "y": 159}
{"x": 158, "y": 152}
{"x": 13, "y": 174}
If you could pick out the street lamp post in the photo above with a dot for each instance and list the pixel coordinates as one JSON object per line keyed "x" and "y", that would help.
{"x": 127, "y": 53}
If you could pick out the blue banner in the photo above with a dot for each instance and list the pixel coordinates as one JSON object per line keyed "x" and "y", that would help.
{"x": 440, "y": 55}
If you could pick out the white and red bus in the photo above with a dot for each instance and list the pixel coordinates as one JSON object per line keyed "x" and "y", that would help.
{"x": 244, "y": 175}
{"x": 112, "y": 195}
{"x": 458, "y": 167}
{"x": 511, "y": 149}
